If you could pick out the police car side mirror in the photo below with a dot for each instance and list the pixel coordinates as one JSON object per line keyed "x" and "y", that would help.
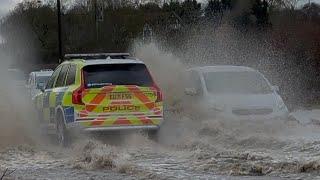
{"x": 190, "y": 91}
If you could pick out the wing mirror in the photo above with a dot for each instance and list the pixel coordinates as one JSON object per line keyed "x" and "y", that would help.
{"x": 190, "y": 91}
{"x": 276, "y": 88}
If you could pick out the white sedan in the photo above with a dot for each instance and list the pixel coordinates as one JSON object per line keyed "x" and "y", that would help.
{"x": 235, "y": 92}
{"x": 37, "y": 80}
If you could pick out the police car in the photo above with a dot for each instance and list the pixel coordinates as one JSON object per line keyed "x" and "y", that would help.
{"x": 100, "y": 92}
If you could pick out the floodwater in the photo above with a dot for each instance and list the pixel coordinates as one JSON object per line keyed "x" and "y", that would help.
{"x": 213, "y": 149}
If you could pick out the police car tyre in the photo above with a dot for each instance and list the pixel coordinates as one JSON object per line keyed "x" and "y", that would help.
{"x": 63, "y": 137}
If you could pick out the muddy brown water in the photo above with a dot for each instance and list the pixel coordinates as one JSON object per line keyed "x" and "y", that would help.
{"x": 211, "y": 149}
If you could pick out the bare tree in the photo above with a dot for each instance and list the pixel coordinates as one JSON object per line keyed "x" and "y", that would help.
{"x": 285, "y": 4}
{"x": 6, "y": 173}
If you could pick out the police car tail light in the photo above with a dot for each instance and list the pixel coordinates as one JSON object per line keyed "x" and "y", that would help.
{"x": 159, "y": 93}
{"x": 77, "y": 96}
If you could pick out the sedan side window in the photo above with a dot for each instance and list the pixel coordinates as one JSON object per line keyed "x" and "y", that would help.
{"x": 30, "y": 81}
{"x": 33, "y": 82}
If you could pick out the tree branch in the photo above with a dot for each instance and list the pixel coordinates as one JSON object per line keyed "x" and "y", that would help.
{"x": 6, "y": 173}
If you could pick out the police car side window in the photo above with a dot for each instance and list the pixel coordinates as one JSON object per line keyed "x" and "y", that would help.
{"x": 71, "y": 75}
{"x": 53, "y": 78}
{"x": 62, "y": 76}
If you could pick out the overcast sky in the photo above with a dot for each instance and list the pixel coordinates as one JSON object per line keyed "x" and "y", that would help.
{"x": 6, "y": 5}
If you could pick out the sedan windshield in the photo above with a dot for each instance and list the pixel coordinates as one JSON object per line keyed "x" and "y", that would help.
{"x": 236, "y": 82}
{"x": 42, "y": 79}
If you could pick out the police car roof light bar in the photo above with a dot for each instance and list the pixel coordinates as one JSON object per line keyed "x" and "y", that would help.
{"x": 97, "y": 56}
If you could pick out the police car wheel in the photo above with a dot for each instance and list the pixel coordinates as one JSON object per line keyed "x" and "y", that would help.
{"x": 62, "y": 134}
{"x": 153, "y": 135}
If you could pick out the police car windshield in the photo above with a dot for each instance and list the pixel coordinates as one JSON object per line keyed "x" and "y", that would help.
{"x": 236, "y": 82}
{"x": 97, "y": 76}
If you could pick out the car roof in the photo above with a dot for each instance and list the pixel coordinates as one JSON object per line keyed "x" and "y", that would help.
{"x": 103, "y": 61}
{"x": 102, "y": 58}
{"x": 42, "y": 73}
{"x": 113, "y": 61}
{"x": 223, "y": 68}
